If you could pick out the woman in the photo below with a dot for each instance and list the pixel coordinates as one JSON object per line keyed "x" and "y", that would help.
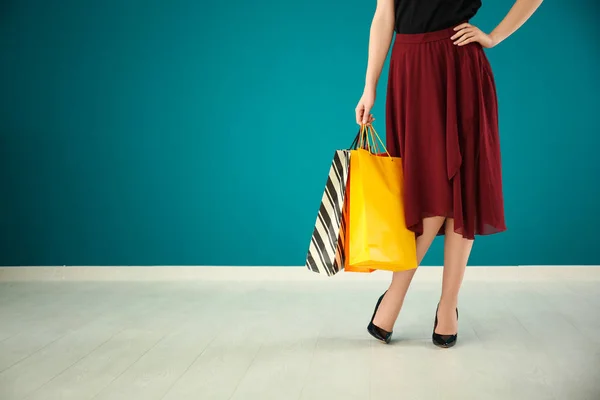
{"x": 442, "y": 120}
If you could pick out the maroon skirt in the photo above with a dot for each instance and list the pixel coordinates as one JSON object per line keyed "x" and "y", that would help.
{"x": 442, "y": 119}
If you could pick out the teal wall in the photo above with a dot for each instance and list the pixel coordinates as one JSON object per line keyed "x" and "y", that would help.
{"x": 192, "y": 132}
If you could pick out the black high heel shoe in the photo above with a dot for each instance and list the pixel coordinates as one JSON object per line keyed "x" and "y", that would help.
{"x": 374, "y": 330}
{"x": 444, "y": 341}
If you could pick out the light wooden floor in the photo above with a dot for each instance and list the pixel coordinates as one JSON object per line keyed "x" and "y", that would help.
{"x": 294, "y": 340}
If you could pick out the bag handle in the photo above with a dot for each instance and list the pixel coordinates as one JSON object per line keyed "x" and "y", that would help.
{"x": 367, "y": 138}
{"x": 375, "y": 135}
{"x": 360, "y": 141}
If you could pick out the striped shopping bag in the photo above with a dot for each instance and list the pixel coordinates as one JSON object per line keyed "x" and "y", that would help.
{"x": 326, "y": 253}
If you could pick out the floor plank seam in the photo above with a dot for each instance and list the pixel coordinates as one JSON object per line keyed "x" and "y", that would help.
{"x": 127, "y": 369}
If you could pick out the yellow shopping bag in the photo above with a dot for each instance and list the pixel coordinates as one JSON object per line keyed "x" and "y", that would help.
{"x": 378, "y": 238}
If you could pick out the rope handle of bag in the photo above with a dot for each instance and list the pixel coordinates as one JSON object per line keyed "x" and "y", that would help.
{"x": 361, "y": 139}
{"x": 369, "y": 139}
{"x": 374, "y": 135}
{"x": 365, "y": 135}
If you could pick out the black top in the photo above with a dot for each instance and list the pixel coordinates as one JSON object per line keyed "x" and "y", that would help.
{"x": 420, "y": 16}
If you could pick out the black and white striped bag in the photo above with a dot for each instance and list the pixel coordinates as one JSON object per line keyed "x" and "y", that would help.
{"x": 326, "y": 252}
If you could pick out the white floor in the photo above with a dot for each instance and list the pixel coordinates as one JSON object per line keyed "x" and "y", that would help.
{"x": 535, "y": 338}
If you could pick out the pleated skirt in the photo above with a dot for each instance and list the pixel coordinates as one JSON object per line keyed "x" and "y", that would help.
{"x": 442, "y": 120}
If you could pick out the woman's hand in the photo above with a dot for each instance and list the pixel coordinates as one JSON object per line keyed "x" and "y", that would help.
{"x": 363, "y": 109}
{"x": 467, "y": 33}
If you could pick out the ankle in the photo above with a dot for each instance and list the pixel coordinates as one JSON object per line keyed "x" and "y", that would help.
{"x": 448, "y": 303}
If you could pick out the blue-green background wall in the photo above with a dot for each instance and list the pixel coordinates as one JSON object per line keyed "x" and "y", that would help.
{"x": 192, "y": 132}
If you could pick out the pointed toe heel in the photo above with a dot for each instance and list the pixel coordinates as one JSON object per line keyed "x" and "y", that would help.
{"x": 375, "y": 331}
{"x": 444, "y": 341}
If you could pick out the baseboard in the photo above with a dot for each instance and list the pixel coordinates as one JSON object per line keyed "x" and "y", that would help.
{"x": 206, "y": 273}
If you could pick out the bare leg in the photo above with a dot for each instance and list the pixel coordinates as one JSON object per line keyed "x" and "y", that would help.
{"x": 392, "y": 302}
{"x": 456, "y": 255}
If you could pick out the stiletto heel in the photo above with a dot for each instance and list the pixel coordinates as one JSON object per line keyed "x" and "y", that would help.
{"x": 444, "y": 341}
{"x": 374, "y": 330}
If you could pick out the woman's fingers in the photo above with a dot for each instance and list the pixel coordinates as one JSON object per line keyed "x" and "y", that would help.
{"x": 359, "y": 113}
{"x": 462, "y": 26}
{"x": 465, "y": 37}
{"x": 366, "y": 116}
{"x": 470, "y": 40}
{"x": 363, "y": 116}
{"x": 461, "y": 32}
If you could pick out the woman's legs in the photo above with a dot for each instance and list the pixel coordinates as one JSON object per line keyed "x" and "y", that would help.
{"x": 456, "y": 254}
{"x": 392, "y": 302}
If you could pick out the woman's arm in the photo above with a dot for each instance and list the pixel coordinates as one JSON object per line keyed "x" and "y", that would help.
{"x": 382, "y": 30}
{"x": 516, "y": 17}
